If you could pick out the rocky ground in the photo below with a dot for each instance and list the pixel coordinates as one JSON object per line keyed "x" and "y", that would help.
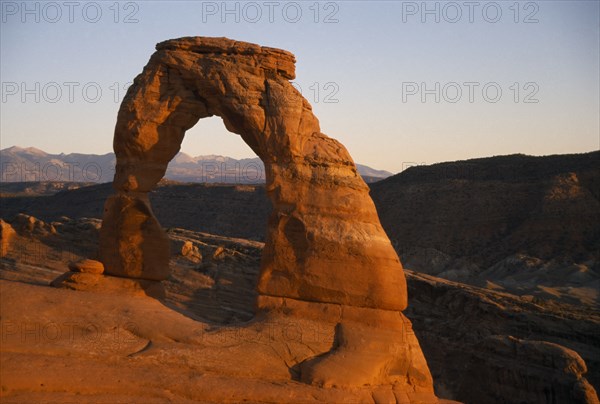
{"x": 203, "y": 341}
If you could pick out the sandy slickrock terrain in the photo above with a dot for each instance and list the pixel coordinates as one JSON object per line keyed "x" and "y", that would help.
{"x": 201, "y": 342}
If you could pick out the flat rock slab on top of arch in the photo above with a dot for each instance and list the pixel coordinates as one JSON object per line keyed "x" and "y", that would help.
{"x": 324, "y": 240}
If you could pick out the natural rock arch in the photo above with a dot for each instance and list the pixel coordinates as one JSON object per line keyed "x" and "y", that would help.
{"x": 324, "y": 241}
{"x": 326, "y": 260}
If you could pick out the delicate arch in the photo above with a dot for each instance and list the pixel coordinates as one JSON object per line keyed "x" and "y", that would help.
{"x": 324, "y": 241}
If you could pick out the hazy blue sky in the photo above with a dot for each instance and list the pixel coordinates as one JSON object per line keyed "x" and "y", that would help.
{"x": 369, "y": 62}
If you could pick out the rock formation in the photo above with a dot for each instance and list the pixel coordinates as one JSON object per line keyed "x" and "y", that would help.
{"x": 6, "y": 235}
{"x": 484, "y": 346}
{"x": 326, "y": 255}
{"x": 324, "y": 242}
{"x": 544, "y": 361}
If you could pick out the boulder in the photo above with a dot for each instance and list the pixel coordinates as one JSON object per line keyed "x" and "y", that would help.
{"x": 87, "y": 266}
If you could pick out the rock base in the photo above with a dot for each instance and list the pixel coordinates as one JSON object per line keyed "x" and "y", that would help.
{"x": 371, "y": 347}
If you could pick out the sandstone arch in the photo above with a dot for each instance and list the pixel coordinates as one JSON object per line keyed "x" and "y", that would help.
{"x": 326, "y": 257}
{"x": 324, "y": 241}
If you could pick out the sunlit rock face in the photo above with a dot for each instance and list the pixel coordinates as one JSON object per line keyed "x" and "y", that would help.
{"x": 326, "y": 255}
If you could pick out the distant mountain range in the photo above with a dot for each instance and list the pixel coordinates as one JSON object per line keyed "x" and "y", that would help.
{"x": 18, "y": 164}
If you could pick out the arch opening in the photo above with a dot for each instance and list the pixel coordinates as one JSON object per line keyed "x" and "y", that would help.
{"x": 210, "y": 137}
{"x": 209, "y": 153}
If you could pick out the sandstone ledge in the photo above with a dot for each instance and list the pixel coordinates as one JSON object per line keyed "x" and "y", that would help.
{"x": 93, "y": 282}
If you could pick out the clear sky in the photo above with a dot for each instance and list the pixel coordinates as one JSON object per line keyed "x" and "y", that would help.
{"x": 397, "y": 82}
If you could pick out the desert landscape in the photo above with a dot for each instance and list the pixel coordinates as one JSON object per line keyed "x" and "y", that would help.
{"x": 281, "y": 270}
{"x": 535, "y": 305}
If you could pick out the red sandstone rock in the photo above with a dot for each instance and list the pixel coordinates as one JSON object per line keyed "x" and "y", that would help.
{"x": 7, "y": 233}
{"x": 87, "y": 266}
